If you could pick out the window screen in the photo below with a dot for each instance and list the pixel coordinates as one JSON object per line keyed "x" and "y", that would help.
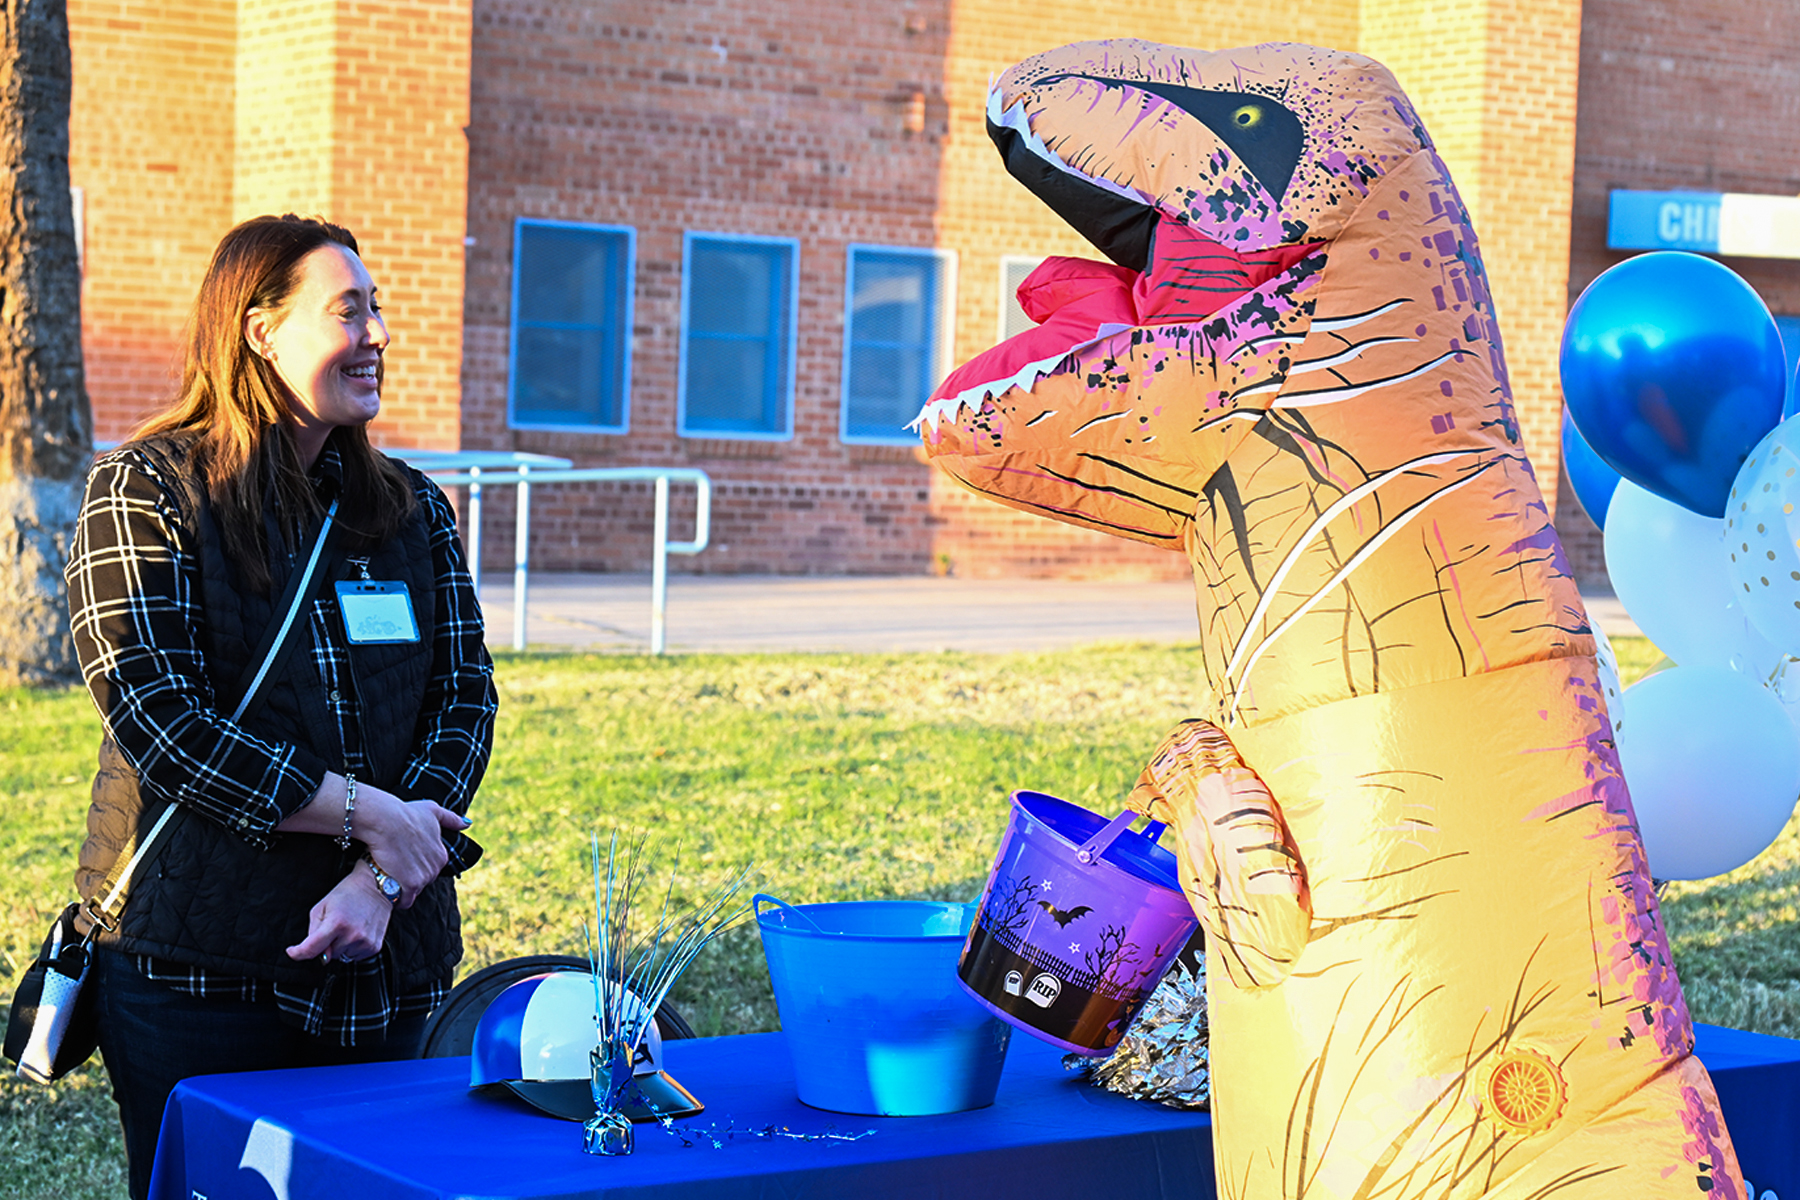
{"x": 895, "y": 337}
{"x": 571, "y": 326}
{"x": 737, "y": 336}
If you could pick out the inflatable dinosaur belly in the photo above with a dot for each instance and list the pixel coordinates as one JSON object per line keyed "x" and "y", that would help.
{"x": 1437, "y": 963}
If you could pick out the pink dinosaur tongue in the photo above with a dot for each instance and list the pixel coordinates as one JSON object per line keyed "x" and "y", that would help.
{"x": 1076, "y": 301}
{"x": 1071, "y": 299}
{"x": 1192, "y": 276}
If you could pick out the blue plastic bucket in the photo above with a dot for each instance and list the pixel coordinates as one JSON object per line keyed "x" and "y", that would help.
{"x": 1079, "y": 922}
{"x": 869, "y": 1001}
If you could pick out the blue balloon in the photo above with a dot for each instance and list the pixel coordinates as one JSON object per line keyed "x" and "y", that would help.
{"x": 1673, "y": 369}
{"x": 1592, "y": 481}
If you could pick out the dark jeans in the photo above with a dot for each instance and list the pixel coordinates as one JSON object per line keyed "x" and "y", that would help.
{"x": 152, "y": 1037}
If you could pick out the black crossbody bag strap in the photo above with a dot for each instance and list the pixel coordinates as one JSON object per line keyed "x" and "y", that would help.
{"x": 276, "y": 647}
{"x": 271, "y": 656}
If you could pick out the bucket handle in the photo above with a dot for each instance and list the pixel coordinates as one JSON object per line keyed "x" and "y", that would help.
{"x": 1091, "y": 850}
{"x": 785, "y": 907}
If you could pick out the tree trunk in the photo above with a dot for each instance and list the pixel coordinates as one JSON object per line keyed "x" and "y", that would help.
{"x": 46, "y": 431}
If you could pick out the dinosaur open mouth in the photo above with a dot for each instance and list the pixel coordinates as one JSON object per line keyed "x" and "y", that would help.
{"x": 1077, "y": 302}
{"x": 1166, "y": 271}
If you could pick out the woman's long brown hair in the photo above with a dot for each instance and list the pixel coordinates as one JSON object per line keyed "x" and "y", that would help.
{"x": 239, "y": 412}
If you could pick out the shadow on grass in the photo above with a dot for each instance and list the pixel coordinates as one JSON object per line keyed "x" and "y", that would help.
{"x": 62, "y": 1140}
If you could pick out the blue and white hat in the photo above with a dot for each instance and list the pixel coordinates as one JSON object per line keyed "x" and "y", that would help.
{"x": 534, "y": 1040}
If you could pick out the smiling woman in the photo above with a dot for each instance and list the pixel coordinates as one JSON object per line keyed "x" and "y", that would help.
{"x": 301, "y": 909}
{"x": 326, "y": 346}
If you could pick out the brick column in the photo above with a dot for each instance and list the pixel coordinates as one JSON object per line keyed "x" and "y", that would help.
{"x": 286, "y": 57}
{"x": 150, "y": 150}
{"x": 354, "y": 109}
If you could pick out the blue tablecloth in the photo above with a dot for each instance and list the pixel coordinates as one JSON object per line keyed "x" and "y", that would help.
{"x": 412, "y": 1129}
{"x": 1758, "y": 1078}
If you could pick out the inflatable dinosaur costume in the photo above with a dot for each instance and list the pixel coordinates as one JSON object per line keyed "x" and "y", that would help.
{"x": 1437, "y": 967}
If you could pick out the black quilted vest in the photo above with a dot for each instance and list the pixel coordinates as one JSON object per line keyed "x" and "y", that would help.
{"x": 213, "y": 899}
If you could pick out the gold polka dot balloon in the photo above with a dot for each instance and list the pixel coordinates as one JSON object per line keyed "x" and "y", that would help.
{"x": 1762, "y": 536}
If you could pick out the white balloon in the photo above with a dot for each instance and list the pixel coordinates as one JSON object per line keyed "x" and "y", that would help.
{"x": 1755, "y": 657}
{"x": 1669, "y": 568}
{"x": 1762, "y": 535}
{"x": 1713, "y": 765}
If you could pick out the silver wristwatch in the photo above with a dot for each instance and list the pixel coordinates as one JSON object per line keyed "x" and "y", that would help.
{"x": 390, "y": 887}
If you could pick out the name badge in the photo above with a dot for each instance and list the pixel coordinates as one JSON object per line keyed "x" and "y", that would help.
{"x": 376, "y": 611}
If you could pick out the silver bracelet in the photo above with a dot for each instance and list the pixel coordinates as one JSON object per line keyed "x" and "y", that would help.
{"x": 349, "y": 809}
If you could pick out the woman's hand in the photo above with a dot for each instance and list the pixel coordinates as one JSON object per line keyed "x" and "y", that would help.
{"x": 406, "y": 837}
{"x": 349, "y": 923}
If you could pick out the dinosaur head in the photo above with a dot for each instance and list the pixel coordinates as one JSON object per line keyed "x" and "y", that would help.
{"x": 1290, "y": 371}
{"x": 1255, "y": 148}
{"x": 1219, "y": 184}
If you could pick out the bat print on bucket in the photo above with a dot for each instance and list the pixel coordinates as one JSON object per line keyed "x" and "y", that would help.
{"x": 1074, "y": 976}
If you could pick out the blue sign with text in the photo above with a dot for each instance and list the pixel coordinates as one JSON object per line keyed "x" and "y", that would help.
{"x": 1664, "y": 221}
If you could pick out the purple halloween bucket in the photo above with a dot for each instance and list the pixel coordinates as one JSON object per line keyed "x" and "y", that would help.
{"x": 1080, "y": 919}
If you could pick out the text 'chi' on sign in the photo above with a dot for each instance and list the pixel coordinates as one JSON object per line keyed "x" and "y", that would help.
{"x": 1708, "y": 222}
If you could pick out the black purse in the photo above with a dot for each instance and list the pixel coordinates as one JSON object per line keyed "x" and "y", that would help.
{"x": 49, "y": 1036}
{"x": 54, "y": 1026}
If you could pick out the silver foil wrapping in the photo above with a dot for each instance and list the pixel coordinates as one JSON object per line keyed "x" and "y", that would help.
{"x": 1164, "y": 1055}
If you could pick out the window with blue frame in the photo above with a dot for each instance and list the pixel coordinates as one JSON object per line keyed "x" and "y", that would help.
{"x": 895, "y": 337}
{"x": 737, "y": 336}
{"x": 571, "y": 326}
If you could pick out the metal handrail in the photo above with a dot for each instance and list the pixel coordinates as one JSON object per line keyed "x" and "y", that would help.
{"x": 524, "y": 475}
{"x": 437, "y": 462}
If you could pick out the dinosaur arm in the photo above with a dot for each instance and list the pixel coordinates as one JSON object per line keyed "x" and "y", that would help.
{"x": 1239, "y": 864}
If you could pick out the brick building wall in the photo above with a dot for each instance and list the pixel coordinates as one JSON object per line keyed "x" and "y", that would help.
{"x": 766, "y": 119}
{"x": 154, "y": 163}
{"x": 1527, "y": 172}
{"x": 762, "y": 118}
{"x": 191, "y": 115}
{"x": 354, "y": 109}
{"x": 781, "y": 119}
{"x": 400, "y": 177}
{"x": 757, "y": 117}
{"x": 1681, "y": 95}
{"x": 285, "y": 113}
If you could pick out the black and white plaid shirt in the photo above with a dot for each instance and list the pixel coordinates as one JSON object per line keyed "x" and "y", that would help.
{"x": 137, "y": 619}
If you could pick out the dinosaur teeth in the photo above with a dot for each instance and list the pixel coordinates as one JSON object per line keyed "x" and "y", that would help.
{"x": 1026, "y": 377}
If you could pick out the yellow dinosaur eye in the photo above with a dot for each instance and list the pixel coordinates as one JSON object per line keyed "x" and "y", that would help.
{"x": 1248, "y": 116}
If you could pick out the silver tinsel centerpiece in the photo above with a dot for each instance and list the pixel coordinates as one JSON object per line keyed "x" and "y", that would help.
{"x": 632, "y": 975}
{"x": 1164, "y": 1056}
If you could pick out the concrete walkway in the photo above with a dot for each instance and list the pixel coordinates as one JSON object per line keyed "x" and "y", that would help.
{"x": 736, "y": 613}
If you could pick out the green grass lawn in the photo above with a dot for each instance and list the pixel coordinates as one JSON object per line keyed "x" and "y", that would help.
{"x": 838, "y": 776}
